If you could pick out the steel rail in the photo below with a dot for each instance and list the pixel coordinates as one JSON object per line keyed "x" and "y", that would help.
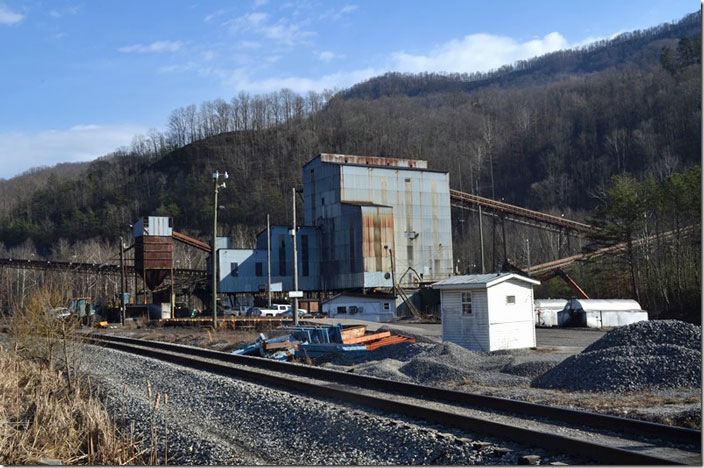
{"x": 256, "y": 369}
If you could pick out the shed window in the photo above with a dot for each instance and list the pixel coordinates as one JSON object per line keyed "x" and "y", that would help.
{"x": 510, "y": 300}
{"x": 234, "y": 269}
{"x": 387, "y": 306}
{"x": 341, "y": 309}
{"x": 466, "y": 303}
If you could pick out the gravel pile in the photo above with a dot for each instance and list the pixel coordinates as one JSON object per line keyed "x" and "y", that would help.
{"x": 435, "y": 364}
{"x": 428, "y": 371}
{"x": 656, "y": 332}
{"x": 529, "y": 369}
{"x": 642, "y": 356}
{"x": 212, "y": 419}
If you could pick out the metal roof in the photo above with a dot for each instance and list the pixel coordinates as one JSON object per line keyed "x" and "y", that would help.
{"x": 375, "y": 162}
{"x": 364, "y": 203}
{"x": 360, "y": 295}
{"x": 477, "y": 281}
{"x": 605, "y": 304}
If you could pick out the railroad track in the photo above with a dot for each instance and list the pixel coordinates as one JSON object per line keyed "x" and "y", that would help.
{"x": 601, "y": 438}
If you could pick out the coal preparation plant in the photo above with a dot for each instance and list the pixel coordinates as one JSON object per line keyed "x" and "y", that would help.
{"x": 369, "y": 222}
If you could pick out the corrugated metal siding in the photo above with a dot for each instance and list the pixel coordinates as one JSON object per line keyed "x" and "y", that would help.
{"x": 377, "y": 232}
{"x": 471, "y": 332}
{"x": 421, "y": 209}
{"x": 153, "y": 253}
{"x": 153, "y": 226}
{"x": 605, "y": 304}
{"x": 247, "y": 281}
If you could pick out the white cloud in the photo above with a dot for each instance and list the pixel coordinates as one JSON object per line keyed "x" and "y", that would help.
{"x": 64, "y": 11}
{"x": 213, "y": 15}
{"x": 255, "y": 19}
{"x": 281, "y": 31}
{"x": 337, "y": 14}
{"x": 251, "y": 45}
{"x": 8, "y": 16}
{"x": 154, "y": 47}
{"x": 239, "y": 80}
{"x": 477, "y": 52}
{"x": 258, "y": 3}
{"x": 327, "y": 56}
{"x": 178, "y": 68}
{"x": 22, "y": 151}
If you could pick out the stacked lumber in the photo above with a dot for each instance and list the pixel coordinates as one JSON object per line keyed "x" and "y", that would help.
{"x": 374, "y": 340}
{"x": 393, "y": 339}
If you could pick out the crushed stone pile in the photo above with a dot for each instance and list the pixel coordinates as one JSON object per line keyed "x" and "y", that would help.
{"x": 529, "y": 369}
{"x": 431, "y": 364}
{"x": 656, "y": 332}
{"x": 642, "y": 356}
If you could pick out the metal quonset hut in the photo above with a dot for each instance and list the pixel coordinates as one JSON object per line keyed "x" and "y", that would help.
{"x": 547, "y": 310}
{"x": 599, "y": 313}
{"x": 488, "y": 312}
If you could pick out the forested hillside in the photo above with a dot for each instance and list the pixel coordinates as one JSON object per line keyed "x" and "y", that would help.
{"x": 547, "y": 134}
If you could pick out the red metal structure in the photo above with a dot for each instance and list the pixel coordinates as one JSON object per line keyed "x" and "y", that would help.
{"x": 564, "y": 277}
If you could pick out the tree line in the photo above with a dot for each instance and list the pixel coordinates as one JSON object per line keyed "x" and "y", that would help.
{"x": 551, "y": 145}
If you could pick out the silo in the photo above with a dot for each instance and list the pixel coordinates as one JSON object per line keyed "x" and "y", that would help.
{"x": 153, "y": 256}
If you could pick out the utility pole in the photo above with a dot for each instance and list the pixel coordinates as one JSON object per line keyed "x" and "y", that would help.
{"x": 268, "y": 259}
{"x": 295, "y": 262}
{"x": 481, "y": 232}
{"x": 122, "y": 281}
{"x": 214, "y": 251}
{"x": 528, "y": 254}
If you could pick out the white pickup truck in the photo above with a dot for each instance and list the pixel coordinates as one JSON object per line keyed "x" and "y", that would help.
{"x": 276, "y": 309}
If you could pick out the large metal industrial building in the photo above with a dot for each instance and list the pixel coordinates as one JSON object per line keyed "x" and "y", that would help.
{"x": 366, "y": 220}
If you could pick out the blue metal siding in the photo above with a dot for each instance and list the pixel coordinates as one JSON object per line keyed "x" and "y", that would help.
{"x": 247, "y": 281}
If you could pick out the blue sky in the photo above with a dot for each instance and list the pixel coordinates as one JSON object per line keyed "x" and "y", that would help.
{"x": 81, "y": 78}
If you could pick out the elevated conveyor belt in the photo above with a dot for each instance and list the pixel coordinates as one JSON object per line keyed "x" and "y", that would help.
{"x": 516, "y": 213}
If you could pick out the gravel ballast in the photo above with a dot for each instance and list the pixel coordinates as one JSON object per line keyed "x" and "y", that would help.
{"x": 643, "y": 356}
{"x": 214, "y": 419}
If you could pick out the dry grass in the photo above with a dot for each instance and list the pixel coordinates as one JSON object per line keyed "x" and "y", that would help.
{"x": 48, "y": 410}
{"x": 43, "y": 418}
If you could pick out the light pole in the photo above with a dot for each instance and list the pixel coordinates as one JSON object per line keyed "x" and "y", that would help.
{"x": 295, "y": 262}
{"x": 216, "y": 187}
{"x": 122, "y": 281}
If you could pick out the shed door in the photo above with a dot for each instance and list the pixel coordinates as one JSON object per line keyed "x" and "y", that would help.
{"x": 469, "y": 330}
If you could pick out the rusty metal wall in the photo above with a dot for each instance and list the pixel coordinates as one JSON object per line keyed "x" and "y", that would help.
{"x": 377, "y": 234}
{"x": 420, "y": 201}
{"x": 153, "y": 253}
{"x": 372, "y": 161}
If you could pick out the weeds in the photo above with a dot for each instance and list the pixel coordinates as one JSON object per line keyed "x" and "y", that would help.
{"x": 48, "y": 410}
{"x": 42, "y": 418}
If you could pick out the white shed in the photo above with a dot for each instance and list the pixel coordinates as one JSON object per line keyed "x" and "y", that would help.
{"x": 371, "y": 307}
{"x": 546, "y": 311}
{"x": 600, "y": 313}
{"x": 488, "y": 312}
